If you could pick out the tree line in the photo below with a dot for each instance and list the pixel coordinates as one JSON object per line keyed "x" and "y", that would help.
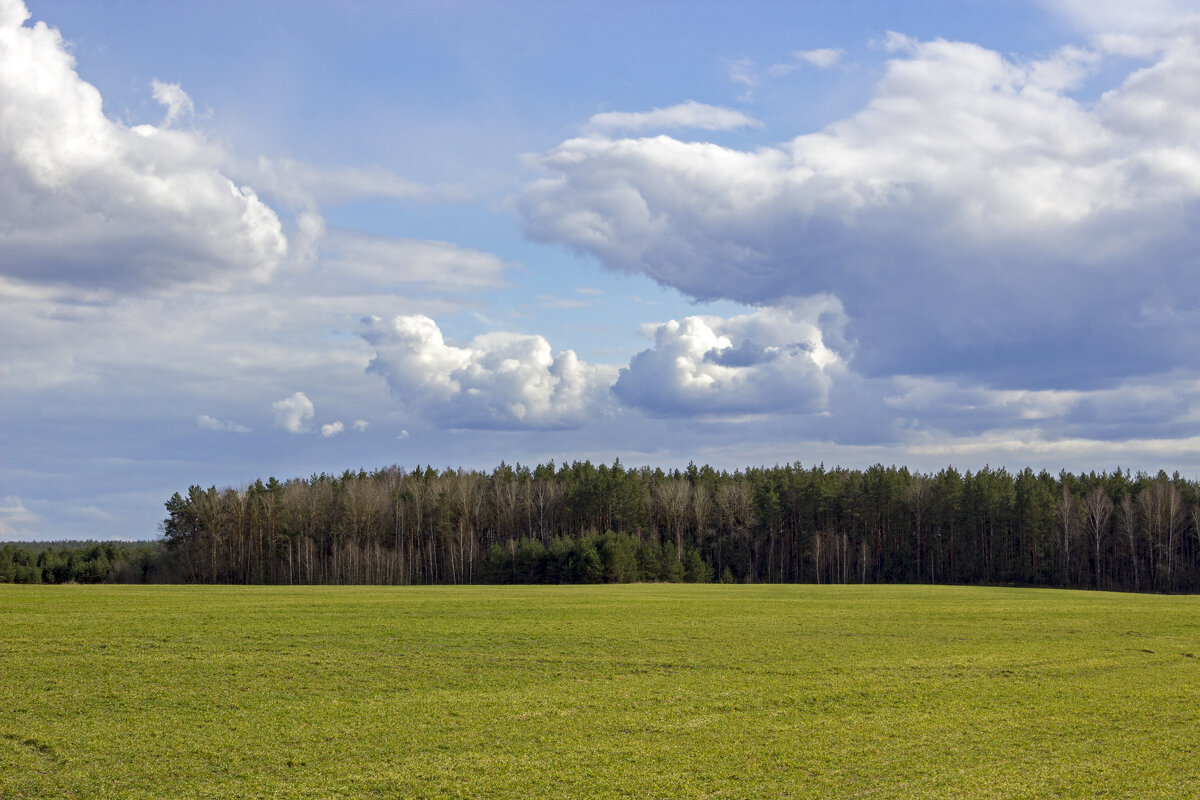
{"x": 585, "y": 522}
{"x": 581, "y": 522}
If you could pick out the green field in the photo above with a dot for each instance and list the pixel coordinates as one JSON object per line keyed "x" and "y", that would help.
{"x": 610, "y": 691}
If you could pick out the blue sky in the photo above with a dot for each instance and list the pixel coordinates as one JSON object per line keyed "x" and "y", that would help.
{"x": 241, "y": 240}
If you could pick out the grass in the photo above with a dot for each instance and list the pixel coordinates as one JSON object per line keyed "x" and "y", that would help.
{"x": 609, "y": 691}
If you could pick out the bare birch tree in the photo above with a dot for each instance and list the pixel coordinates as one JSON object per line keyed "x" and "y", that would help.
{"x": 1066, "y": 525}
{"x": 1097, "y": 508}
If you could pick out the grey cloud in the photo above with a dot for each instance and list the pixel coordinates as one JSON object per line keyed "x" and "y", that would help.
{"x": 747, "y": 354}
{"x": 1164, "y": 406}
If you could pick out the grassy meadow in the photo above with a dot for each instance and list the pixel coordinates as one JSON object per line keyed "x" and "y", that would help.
{"x": 606, "y": 691}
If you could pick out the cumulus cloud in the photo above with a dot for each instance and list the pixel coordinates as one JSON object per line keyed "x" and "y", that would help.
{"x": 214, "y": 424}
{"x": 498, "y": 380}
{"x": 293, "y": 413}
{"x": 332, "y": 429}
{"x": 778, "y": 359}
{"x": 772, "y": 360}
{"x": 87, "y": 200}
{"x": 360, "y": 425}
{"x": 685, "y": 115}
{"x": 385, "y": 261}
{"x": 974, "y": 217}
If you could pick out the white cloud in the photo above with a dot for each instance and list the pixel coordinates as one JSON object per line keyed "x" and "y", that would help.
{"x": 214, "y": 424}
{"x": 742, "y": 71}
{"x": 15, "y": 520}
{"x": 771, "y": 360}
{"x": 821, "y": 58}
{"x": 360, "y": 425}
{"x": 1120, "y": 16}
{"x": 1134, "y": 30}
{"x": 384, "y": 261}
{"x": 174, "y": 99}
{"x": 87, "y": 200}
{"x": 293, "y": 413}
{"x": 247, "y": 345}
{"x": 306, "y": 242}
{"x": 13, "y": 510}
{"x": 685, "y": 115}
{"x": 497, "y": 380}
{"x": 299, "y": 184}
{"x": 1158, "y": 107}
{"x": 332, "y": 429}
{"x": 974, "y": 216}
{"x": 895, "y": 42}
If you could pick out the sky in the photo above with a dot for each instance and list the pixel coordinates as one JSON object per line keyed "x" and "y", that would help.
{"x": 240, "y": 240}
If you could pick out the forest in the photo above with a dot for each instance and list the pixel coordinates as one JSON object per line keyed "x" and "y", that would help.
{"x": 585, "y": 523}
{"x": 83, "y": 562}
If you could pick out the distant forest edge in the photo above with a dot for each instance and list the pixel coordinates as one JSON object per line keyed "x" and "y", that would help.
{"x": 581, "y": 523}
